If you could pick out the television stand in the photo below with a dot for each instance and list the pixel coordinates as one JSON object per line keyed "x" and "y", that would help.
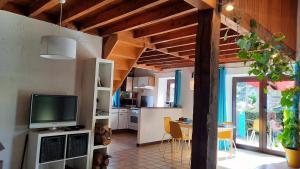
{"x": 58, "y": 149}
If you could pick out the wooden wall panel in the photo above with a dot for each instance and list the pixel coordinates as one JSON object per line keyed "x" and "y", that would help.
{"x": 274, "y": 15}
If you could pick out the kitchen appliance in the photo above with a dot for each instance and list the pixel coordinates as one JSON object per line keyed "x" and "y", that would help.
{"x": 147, "y": 101}
{"x": 134, "y": 114}
{"x": 51, "y": 111}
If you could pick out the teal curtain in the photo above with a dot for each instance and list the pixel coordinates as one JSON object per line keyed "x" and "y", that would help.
{"x": 222, "y": 96}
{"x": 297, "y": 83}
{"x": 177, "y": 93}
{"x": 116, "y": 98}
{"x": 222, "y": 102}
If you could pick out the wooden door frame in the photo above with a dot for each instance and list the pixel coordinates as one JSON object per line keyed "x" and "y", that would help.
{"x": 262, "y": 115}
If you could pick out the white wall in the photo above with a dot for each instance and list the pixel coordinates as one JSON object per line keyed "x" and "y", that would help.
{"x": 23, "y": 72}
{"x": 186, "y": 93}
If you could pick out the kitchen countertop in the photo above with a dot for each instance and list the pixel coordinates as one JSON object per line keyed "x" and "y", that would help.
{"x": 161, "y": 107}
{"x": 147, "y": 108}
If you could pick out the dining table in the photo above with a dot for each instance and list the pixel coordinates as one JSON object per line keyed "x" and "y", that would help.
{"x": 221, "y": 128}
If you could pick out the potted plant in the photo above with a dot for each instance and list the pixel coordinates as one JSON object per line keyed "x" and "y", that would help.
{"x": 270, "y": 60}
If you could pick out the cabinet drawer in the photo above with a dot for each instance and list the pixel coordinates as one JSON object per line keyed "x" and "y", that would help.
{"x": 123, "y": 110}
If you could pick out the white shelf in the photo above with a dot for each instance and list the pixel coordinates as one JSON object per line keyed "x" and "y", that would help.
{"x": 48, "y": 162}
{"x": 101, "y": 117}
{"x": 103, "y": 89}
{"x": 76, "y": 157}
{"x": 99, "y": 147}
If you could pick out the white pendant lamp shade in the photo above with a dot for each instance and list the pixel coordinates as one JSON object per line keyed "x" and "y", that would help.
{"x": 57, "y": 47}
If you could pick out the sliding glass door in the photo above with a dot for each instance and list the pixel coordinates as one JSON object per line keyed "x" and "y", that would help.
{"x": 274, "y": 115}
{"x": 257, "y": 114}
{"x": 246, "y": 108}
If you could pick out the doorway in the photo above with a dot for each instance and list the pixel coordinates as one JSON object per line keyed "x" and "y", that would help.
{"x": 257, "y": 113}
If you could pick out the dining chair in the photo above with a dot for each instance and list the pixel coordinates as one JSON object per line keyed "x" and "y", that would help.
{"x": 254, "y": 130}
{"x": 166, "y": 130}
{"x": 229, "y": 123}
{"x": 177, "y": 135}
{"x": 226, "y": 135}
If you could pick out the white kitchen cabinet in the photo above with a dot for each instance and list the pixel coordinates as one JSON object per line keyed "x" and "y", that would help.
{"x": 113, "y": 117}
{"x": 123, "y": 120}
{"x": 144, "y": 82}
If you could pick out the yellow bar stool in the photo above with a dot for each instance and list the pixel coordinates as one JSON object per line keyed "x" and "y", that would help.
{"x": 167, "y": 130}
{"x": 177, "y": 134}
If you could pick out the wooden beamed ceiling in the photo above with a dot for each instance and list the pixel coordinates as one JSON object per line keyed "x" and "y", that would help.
{"x": 168, "y": 27}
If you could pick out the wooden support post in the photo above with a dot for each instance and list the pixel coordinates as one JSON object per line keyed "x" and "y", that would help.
{"x": 204, "y": 149}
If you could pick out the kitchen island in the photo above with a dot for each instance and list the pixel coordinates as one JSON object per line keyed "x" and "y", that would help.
{"x": 151, "y": 123}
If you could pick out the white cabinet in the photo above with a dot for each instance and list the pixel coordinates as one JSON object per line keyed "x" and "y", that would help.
{"x": 123, "y": 120}
{"x": 144, "y": 82}
{"x": 113, "y": 117}
{"x": 119, "y": 119}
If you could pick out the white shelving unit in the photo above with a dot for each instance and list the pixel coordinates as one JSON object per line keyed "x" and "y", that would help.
{"x": 34, "y": 157}
{"x": 96, "y": 97}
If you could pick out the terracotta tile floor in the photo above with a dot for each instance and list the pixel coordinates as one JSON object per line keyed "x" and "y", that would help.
{"x": 125, "y": 155}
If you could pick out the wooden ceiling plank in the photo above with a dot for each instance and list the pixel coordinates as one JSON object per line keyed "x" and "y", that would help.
{"x": 120, "y": 11}
{"x": 144, "y": 66}
{"x": 178, "y": 65}
{"x": 187, "y": 53}
{"x": 164, "y": 12}
{"x": 3, "y": 3}
{"x": 41, "y": 6}
{"x": 158, "y": 60}
{"x": 229, "y": 51}
{"x": 176, "y": 43}
{"x": 157, "y": 57}
{"x": 167, "y": 26}
{"x": 174, "y": 35}
{"x": 85, "y": 7}
{"x": 13, "y": 8}
{"x": 202, "y": 4}
{"x": 170, "y": 63}
{"x": 182, "y": 48}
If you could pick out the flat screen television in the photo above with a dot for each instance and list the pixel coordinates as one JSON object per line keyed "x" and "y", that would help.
{"x": 51, "y": 111}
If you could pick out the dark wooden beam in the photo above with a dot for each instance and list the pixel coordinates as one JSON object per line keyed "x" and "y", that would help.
{"x": 157, "y": 14}
{"x": 204, "y": 149}
{"x": 182, "y": 48}
{"x": 175, "y": 43}
{"x": 85, "y": 7}
{"x": 167, "y": 26}
{"x": 118, "y": 12}
{"x": 174, "y": 35}
{"x": 41, "y": 6}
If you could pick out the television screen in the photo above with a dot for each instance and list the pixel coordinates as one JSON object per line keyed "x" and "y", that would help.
{"x": 52, "y": 111}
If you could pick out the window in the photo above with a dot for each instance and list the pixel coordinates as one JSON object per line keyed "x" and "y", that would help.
{"x": 165, "y": 93}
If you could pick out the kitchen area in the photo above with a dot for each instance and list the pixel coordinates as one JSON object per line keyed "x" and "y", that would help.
{"x": 138, "y": 109}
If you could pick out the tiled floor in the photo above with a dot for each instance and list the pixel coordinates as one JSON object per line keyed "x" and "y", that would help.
{"x": 125, "y": 155}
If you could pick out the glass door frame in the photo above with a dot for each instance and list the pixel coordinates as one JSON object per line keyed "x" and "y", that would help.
{"x": 263, "y": 147}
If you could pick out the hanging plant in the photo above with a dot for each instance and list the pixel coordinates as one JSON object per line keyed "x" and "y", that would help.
{"x": 269, "y": 61}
